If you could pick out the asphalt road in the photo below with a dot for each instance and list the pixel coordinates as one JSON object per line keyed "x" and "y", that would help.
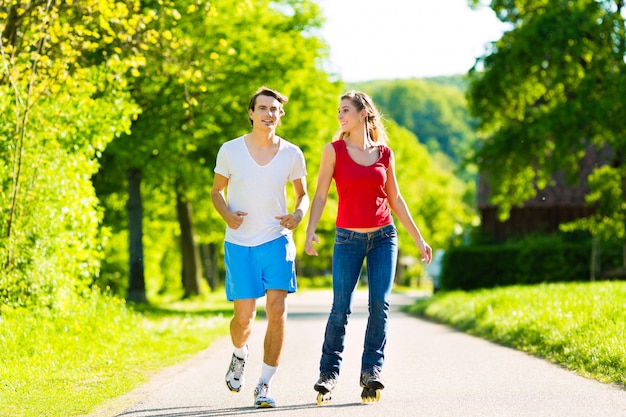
{"x": 430, "y": 370}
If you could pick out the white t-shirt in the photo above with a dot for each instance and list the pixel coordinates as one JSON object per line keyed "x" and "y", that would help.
{"x": 257, "y": 189}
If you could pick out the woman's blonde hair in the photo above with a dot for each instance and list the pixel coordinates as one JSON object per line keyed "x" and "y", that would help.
{"x": 373, "y": 119}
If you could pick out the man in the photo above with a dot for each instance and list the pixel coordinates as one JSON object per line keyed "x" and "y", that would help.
{"x": 259, "y": 251}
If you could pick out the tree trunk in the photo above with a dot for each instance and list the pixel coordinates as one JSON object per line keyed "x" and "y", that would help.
{"x": 191, "y": 273}
{"x": 594, "y": 270}
{"x": 622, "y": 171}
{"x": 209, "y": 253}
{"x": 400, "y": 275}
{"x": 136, "y": 279}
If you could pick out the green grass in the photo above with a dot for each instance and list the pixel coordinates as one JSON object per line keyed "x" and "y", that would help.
{"x": 581, "y": 326}
{"x": 67, "y": 363}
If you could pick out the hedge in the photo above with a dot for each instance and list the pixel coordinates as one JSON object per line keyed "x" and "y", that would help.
{"x": 526, "y": 262}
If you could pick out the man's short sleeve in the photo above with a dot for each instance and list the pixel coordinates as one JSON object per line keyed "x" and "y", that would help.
{"x": 299, "y": 166}
{"x": 222, "y": 166}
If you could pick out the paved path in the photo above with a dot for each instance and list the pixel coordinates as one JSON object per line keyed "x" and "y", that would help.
{"x": 430, "y": 370}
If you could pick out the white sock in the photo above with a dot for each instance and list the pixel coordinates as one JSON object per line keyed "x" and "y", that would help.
{"x": 241, "y": 353}
{"x": 267, "y": 373}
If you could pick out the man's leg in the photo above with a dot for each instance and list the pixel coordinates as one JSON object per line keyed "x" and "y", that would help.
{"x": 242, "y": 321}
{"x": 273, "y": 346}
{"x": 276, "y": 311}
{"x": 240, "y": 330}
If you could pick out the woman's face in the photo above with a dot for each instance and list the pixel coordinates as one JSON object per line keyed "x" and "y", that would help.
{"x": 349, "y": 116}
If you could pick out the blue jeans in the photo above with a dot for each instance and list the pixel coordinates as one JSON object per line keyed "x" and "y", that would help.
{"x": 380, "y": 251}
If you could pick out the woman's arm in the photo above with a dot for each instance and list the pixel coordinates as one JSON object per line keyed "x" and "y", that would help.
{"x": 400, "y": 209}
{"x": 324, "y": 178}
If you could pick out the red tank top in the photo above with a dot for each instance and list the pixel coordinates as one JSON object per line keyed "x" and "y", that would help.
{"x": 361, "y": 189}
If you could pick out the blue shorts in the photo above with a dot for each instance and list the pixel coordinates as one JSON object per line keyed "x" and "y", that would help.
{"x": 251, "y": 271}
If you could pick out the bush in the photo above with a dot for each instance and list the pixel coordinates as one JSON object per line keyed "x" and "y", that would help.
{"x": 536, "y": 259}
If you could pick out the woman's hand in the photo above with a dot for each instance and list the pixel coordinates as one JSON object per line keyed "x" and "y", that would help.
{"x": 308, "y": 244}
{"x": 425, "y": 250}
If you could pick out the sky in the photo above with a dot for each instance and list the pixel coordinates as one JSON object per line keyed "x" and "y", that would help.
{"x": 388, "y": 39}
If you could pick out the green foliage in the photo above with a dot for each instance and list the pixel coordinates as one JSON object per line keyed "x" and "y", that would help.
{"x": 551, "y": 89}
{"x": 435, "y": 198}
{"x": 435, "y": 110}
{"x": 532, "y": 260}
{"x": 457, "y": 81}
{"x": 159, "y": 87}
{"x": 194, "y": 90}
{"x": 437, "y": 184}
{"x": 607, "y": 222}
{"x": 66, "y": 362}
{"x": 60, "y": 108}
{"x": 433, "y": 194}
{"x": 577, "y": 325}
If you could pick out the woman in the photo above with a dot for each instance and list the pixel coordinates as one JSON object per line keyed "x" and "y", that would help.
{"x": 363, "y": 169}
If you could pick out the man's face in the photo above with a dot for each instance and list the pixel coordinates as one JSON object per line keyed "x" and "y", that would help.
{"x": 266, "y": 114}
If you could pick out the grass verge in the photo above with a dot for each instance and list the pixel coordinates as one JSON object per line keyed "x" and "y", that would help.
{"x": 578, "y": 325}
{"x": 66, "y": 363}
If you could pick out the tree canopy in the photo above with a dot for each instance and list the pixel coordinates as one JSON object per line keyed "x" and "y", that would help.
{"x": 61, "y": 104}
{"x": 111, "y": 105}
{"x": 549, "y": 90}
{"x": 435, "y": 110}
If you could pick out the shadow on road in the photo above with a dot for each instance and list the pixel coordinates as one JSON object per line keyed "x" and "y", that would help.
{"x": 238, "y": 411}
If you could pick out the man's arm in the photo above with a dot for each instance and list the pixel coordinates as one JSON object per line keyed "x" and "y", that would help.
{"x": 302, "y": 198}
{"x": 292, "y": 220}
{"x": 232, "y": 219}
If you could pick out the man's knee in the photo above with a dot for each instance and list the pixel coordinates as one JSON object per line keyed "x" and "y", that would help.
{"x": 275, "y": 307}
{"x": 243, "y": 320}
{"x": 244, "y": 313}
{"x": 276, "y": 311}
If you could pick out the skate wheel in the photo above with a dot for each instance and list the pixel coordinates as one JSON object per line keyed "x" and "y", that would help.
{"x": 370, "y": 395}
{"x": 323, "y": 398}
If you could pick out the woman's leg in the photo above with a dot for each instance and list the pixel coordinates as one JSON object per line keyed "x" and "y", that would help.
{"x": 348, "y": 256}
{"x": 381, "y": 266}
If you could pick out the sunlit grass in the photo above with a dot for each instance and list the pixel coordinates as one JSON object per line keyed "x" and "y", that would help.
{"x": 66, "y": 363}
{"x": 581, "y": 326}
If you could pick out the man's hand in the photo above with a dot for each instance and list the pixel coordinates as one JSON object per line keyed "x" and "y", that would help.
{"x": 235, "y": 218}
{"x": 289, "y": 221}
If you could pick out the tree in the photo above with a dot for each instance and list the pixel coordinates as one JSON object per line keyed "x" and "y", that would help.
{"x": 550, "y": 89}
{"x": 434, "y": 195}
{"x": 193, "y": 91}
{"x": 434, "y": 111}
{"x": 61, "y": 104}
{"x": 438, "y": 186}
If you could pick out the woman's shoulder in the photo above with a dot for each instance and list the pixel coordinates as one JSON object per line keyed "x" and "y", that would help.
{"x": 385, "y": 149}
{"x": 386, "y": 153}
{"x": 337, "y": 144}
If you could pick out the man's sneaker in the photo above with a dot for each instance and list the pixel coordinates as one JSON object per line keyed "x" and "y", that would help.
{"x": 262, "y": 397}
{"x": 326, "y": 383}
{"x": 234, "y": 377}
{"x": 371, "y": 380}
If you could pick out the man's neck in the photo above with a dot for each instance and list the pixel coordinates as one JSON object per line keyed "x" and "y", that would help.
{"x": 263, "y": 137}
